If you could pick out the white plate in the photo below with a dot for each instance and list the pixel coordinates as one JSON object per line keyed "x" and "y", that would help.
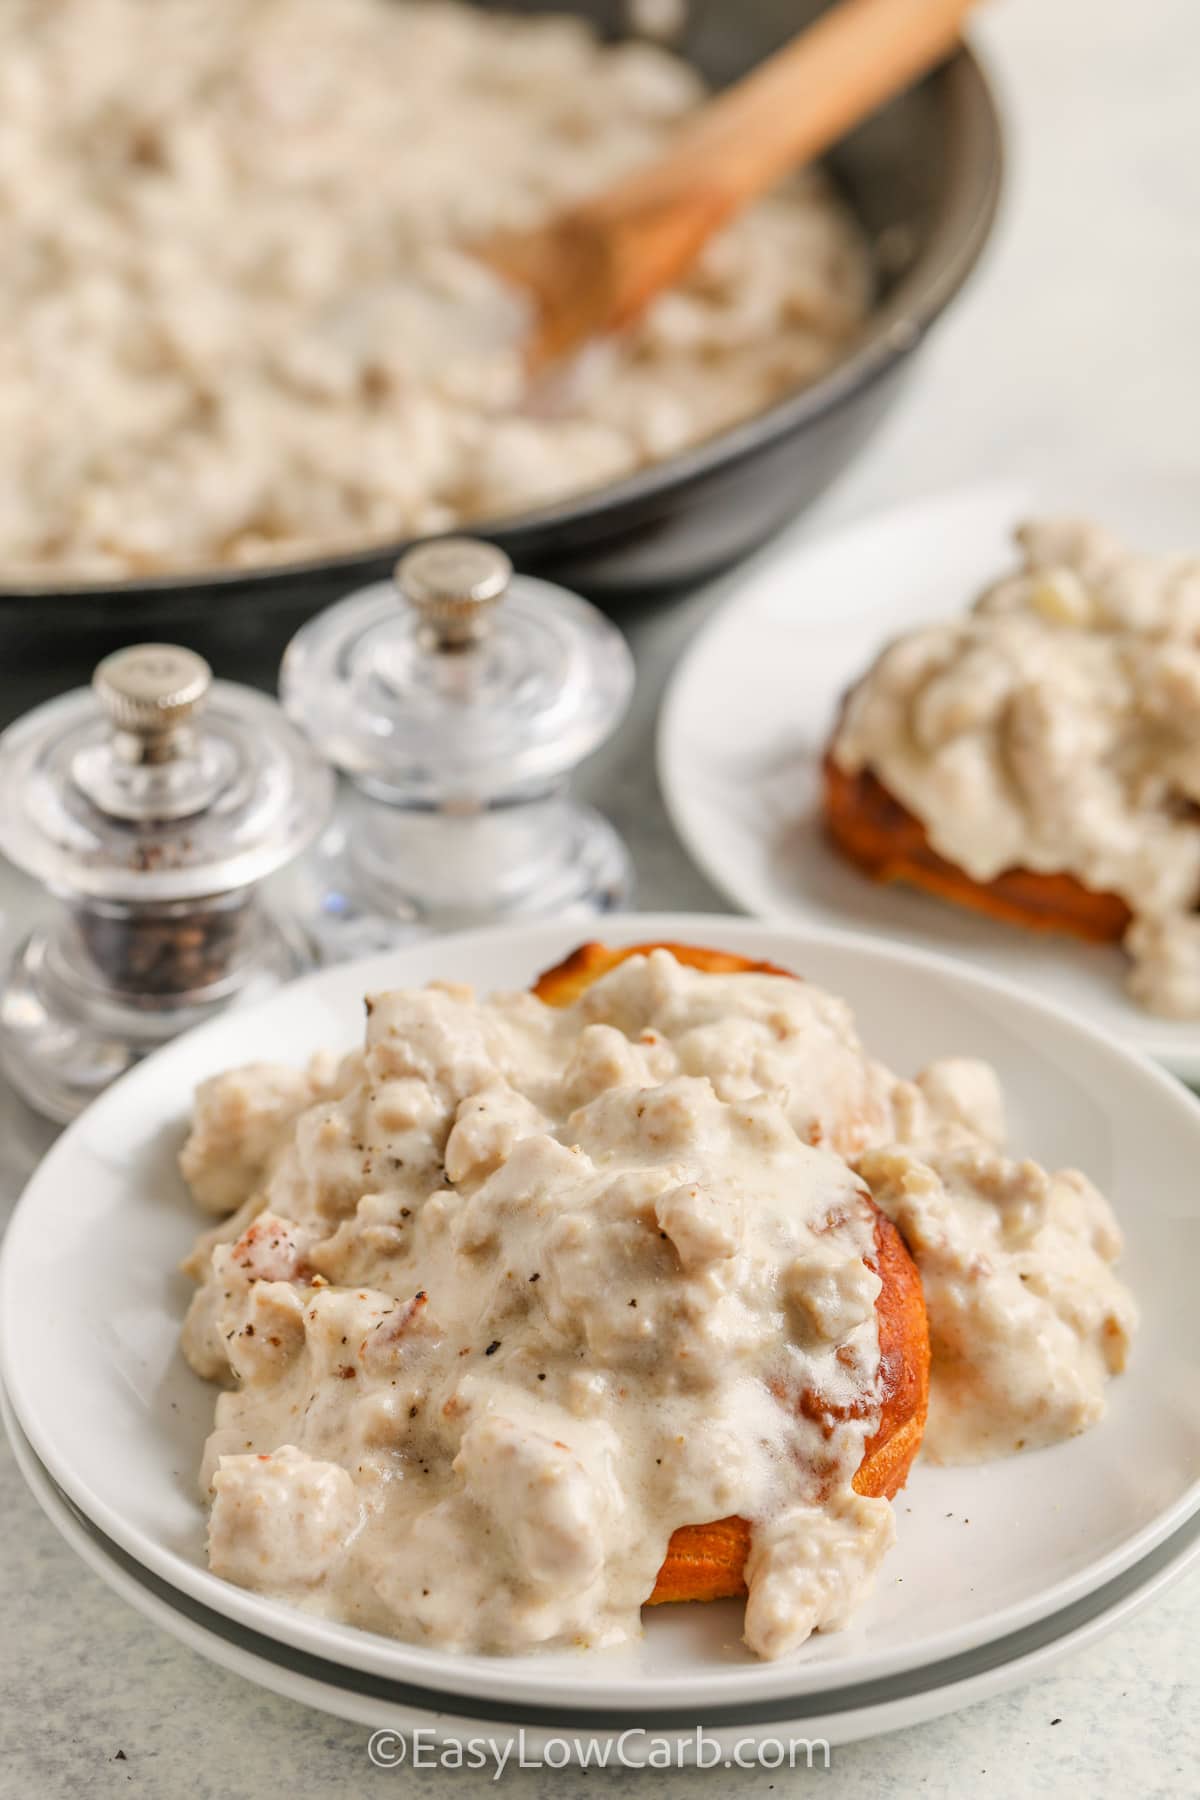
{"x": 749, "y": 712}
{"x": 836, "y": 1719}
{"x": 91, "y": 1314}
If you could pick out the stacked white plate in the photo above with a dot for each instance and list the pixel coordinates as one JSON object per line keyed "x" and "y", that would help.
{"x": 998, "y": 1570}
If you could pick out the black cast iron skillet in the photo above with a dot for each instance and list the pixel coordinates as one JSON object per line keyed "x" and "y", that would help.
{"x": 923, "y": 177}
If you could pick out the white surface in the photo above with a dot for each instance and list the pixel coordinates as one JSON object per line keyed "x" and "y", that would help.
{"x": 88, "y": 1276}
{"x": 316, "y": 1684}
{"x": 749, "y": 713}
{"x": 1072, "y": 362}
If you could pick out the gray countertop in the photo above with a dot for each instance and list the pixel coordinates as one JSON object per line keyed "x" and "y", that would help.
{"x": 1073, "y": 360}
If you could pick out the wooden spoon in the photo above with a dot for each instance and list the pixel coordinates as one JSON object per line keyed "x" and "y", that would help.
{"x": 592, "y": 269}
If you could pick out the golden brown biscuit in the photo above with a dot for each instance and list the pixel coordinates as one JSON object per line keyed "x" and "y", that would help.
{"x": 562, "y": 985}
{"x": 707, "y": 1561}
{"x": 879, "y": 835}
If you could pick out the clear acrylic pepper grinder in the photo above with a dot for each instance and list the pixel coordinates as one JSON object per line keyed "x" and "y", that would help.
{"x": 152, "y": 807}
{"x": 457, "y": 700}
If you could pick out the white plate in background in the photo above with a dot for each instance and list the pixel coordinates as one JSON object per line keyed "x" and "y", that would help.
{"x": 91, "y": 1312}
{"x": 750, "y": 709}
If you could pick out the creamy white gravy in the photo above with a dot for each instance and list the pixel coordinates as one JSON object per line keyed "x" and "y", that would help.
{"x": 238, "y": 325}
{"x": 1056, "y": 727}
{"x": 515, "y": 1292}
{"x": 1027, "y": 1317}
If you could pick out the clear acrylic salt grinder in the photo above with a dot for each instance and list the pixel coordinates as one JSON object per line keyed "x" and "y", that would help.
{"x": 152, "y": 807}
{"x": 457, "y": 700}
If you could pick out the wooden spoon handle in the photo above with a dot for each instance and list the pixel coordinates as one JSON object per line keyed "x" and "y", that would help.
{"x": 784, "y": 113}
{"x": 802, "y": 99}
